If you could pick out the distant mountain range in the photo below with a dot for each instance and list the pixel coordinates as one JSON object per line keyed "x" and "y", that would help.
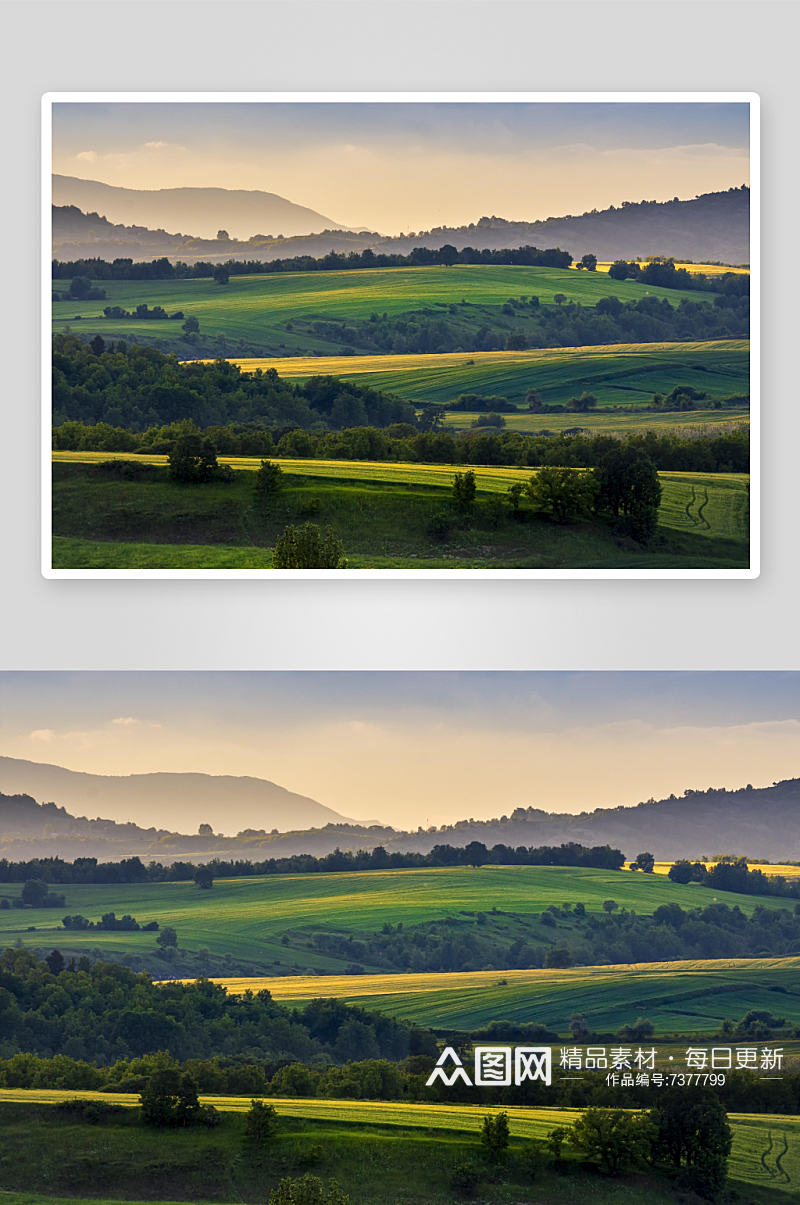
{"x": 712, "y": 227}
{"x": 148, "y": 800}
{"x": 204, "y": 211}
{"x": 756, "y": 822}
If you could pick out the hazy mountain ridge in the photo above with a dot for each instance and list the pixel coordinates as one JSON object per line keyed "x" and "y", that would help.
{"x": 188, "y": 799}
{"x": 714, "y": 226}
{"x": 204, "y": 210}
{"x": 758, "y": 822}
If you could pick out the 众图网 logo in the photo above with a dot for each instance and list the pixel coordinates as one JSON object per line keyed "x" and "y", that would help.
{"x": 494, "y": 1066}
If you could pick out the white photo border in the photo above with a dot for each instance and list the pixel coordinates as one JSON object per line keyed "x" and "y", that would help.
{"x": 750, "y": 98}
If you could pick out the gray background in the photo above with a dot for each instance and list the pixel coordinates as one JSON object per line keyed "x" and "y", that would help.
{"x": 404, "y": 46}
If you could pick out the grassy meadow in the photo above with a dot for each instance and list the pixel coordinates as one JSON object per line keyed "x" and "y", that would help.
{"x": 678, "y": 997}
{"x": 625, "y": 374}
{"x": 378, "y": 1152}
{"x": 266, "y": 926}
{"x": 257, "y": 309}
{"x": 380, "y": 510}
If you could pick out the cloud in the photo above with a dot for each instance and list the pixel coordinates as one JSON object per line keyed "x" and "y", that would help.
{"x": 90, "y": 156}
{"x": 125, "y": 720}
{"x": 42, "y": 734}
{"x": 156, "y": 144}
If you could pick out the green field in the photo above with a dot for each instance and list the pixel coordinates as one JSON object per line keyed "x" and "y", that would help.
{"x": 380, "y": 510}
{"x": 379, "y": 1152}
{"x": 248, "y": 918}
{"x": 257, "y": 308}
{"x": 622, "y": 374}
{"x": 678, "y": 997}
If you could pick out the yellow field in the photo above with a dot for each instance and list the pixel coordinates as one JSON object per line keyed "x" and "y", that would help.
{"x": 614, "y": 353}
{"x": 313, "y": 987}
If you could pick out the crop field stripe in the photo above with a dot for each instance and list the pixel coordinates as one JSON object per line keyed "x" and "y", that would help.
{"x": 612, "y": 356}
{"x": 312, "y": 987}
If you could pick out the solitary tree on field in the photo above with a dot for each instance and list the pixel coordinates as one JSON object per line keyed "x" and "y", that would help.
{"x": 167, "y": 937}
{"x": 204, "y": 877}
{"x": 560, "y": 298}
{"x": 464, "y": 489}
{"x": 223, "y": 236}
{"x": 190, "y": 325}
{"x": 589, "y": 262}
{"x": 221, "y": 275}
{"x": 495, "y": 1135}
{"x": 269, "y": 480}
{"x": 610, "y": 905}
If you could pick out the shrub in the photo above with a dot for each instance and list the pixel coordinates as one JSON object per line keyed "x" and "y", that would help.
{"x": 260, "y": 1124}
{"x": 269, "y": 480}
{"x": 439, "y": 525}
{"x": 464, "y": 489}
{"x": 194, "y": 460}
{"x": 307, "y": 1190}
{"x": 465, "y": 1179}
{"x": 495, "y": 1135}
{"x": 305, "y": 547}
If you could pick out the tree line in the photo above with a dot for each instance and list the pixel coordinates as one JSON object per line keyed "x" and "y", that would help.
{"x": 447, "y": 256}
{"x": 377, "y": 1079}
{"x": 728, "y": 452}
{"x": 133, "y": 870}
{"x": 730, "y": 873}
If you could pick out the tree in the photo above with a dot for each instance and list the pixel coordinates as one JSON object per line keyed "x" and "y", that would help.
{"x": 587, "y": 401}
{"x": 476, "y": 854}
{"x": 645, "y": 862}
{"x": 204, "y": 877}
{"x": 260, "y": 1124}
{"x": 464, "y": 489}
{"x": 191, "y": 325}
{"x": 589, "y": 262}
{"x": 558, "y": 958}
{"x": 555, "y": 1139}
{"x": 447, "y": 255}
{"x": 610, "y": 906}
{"x": 533, "y": 399}
{"x": 567, "y": 494}
{"x": 693, "y": 1130}
{"x": 578, "y": 1027}
{"x": 638, "y": 1032}
{"x": 205, "y": 830}
{"x": 98, "y": 345}
{"x": 515, "y": 493}
{"x": 495, "y": 1135}
{"x": 221, "y": 275}
{"x": 34, "y": 892}
{"x": 617, "y": 1138}
{"x": 305, "y": 547}
{"x": 627, "y": 483}
{"x": 269, "y": 480}
{"x": 55, "y": 961}
{"x": 687, "y": 872}
{"x": 517, "y": 342}
{"x": 171, "y": 1099}
{"x": 167, "y": 937}
{"x": 193, "y": 460}
{"x": 223, "y": 236}
{"x": 559, "y": 298}
{"x": 307, "y": 1190}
